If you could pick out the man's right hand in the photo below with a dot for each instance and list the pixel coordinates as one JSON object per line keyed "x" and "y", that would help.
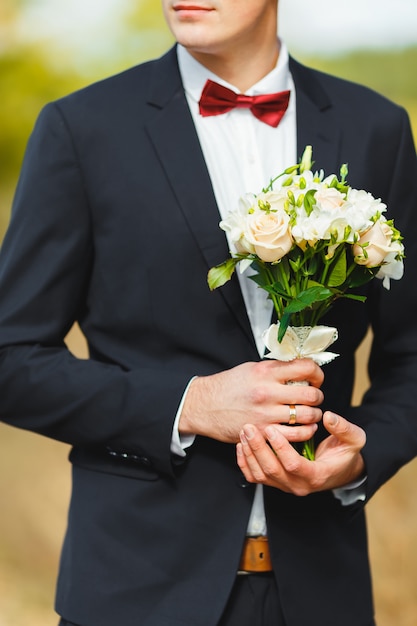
{"x": 218, "y": 406}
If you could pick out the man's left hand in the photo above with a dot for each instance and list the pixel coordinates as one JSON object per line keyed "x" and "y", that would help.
{"x": 270, "y": 459}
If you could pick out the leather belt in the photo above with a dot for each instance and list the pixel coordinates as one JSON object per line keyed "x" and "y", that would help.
{"x": 255, "y": 556}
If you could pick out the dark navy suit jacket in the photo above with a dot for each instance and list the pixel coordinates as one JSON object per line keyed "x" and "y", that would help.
{"x": 115, "y": 225}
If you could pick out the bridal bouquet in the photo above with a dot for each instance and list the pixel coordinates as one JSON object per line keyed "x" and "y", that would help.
{"x": 310, "y": 239}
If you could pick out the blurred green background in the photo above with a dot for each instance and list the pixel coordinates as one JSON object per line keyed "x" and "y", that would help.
{"x": 36, "y": 67}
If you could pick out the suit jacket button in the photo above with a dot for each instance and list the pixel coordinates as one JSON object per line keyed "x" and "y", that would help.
{"x": 242, "y": 482}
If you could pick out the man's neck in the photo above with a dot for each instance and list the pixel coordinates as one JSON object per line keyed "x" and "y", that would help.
{"x": 240, "y": 70}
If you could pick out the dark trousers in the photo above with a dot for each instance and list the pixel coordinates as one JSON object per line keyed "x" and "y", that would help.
{"x": 254, "y": 601}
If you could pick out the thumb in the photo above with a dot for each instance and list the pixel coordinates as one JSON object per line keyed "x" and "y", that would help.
{"x": 344, "y": 430}
{"x": 331, "y": 421}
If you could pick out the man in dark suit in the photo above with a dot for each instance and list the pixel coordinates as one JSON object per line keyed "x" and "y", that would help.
{"x": 115, "y": 225}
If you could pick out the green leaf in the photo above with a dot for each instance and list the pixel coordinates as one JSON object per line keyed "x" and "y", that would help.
{"x": 221, "y": 274}
{"x": 308, "y": 298}
{"x": 361, "y": 275}
{"x": 274, "y": 288}
{"x": 304, "y": 300}
{"x": 334, "y": 182}
{"x": 283, "y": 325}
{"x": 337, "y": 274}
{"x": 354, "y": 296}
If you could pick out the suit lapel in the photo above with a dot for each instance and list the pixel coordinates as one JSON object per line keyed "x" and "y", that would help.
{"x": 316, "y": 120}
{"x": 172, "y": 132}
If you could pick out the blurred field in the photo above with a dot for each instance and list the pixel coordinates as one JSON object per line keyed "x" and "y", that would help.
{"x": 34, "y": 491}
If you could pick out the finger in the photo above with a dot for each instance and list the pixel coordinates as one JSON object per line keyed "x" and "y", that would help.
{"x": 297, "y": 433}
{"x": 292, "y": 462}
{"x": 243, "y": 466}
{"x": 299, "y": 394}
{"x": 242, "y": 461}
{"x": 259, "y": 458}
{"x": 299, "y": 414}
{"x": 301, "y": 370}
{"x": 346, "y": 432}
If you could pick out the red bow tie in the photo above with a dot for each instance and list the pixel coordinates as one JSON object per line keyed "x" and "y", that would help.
{"x": 269, "y": 108}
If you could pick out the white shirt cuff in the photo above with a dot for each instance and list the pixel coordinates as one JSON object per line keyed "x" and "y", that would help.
{"x": 351, "y": 493}
{"x": 180, "y": 443}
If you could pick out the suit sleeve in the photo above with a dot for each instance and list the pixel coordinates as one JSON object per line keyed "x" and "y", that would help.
{"x": 45, "y": 266}
{"x": 389, "y": 411}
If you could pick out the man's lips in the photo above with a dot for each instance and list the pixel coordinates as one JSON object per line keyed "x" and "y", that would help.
{"x": 191, "y": 7}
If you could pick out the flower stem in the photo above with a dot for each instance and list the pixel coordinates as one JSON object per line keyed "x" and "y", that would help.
{"x": 309, "y": 450}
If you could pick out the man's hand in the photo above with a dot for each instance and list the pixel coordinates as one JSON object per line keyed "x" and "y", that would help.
{"x": 219, "y": 406}
{"x": 267, "y": 457}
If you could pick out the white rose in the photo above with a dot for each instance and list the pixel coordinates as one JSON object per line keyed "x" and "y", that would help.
{"x": 373, "y": 245}
{"x": 328, "y": 198}
{"x": 269, "y": 233}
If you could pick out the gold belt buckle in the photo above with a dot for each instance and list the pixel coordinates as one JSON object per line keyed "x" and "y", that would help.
{"x": 256, "y": 556}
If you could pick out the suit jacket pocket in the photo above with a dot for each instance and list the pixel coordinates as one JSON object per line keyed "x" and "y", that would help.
{"x": 114, "y": 462}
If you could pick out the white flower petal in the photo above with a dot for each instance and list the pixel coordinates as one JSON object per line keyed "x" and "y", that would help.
{"x": 304, "y": 342}
{"x": 244, "y": 264}
{"x": 319, "y": 338}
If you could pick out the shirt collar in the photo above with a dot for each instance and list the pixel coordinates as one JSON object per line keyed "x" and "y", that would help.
{"x": 194, "y": 75}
